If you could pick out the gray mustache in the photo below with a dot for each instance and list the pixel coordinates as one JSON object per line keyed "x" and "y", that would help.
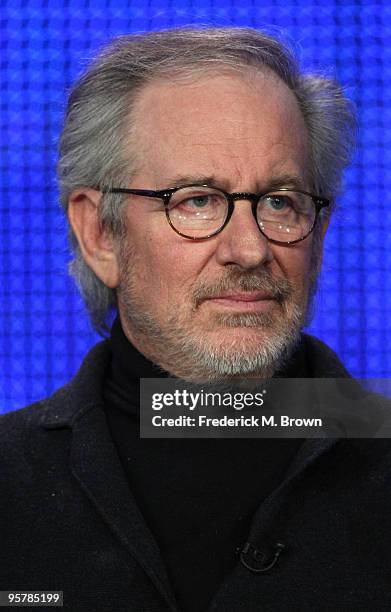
{"x": 278, "y": 288}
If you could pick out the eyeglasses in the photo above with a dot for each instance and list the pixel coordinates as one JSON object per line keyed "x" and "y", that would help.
{"x": 198, "y": 212}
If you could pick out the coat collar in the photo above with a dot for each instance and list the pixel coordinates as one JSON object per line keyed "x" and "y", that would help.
{"x": 77, "y": 402}
{"x": 85, "y": 390}
{"x": 82, "y": 393}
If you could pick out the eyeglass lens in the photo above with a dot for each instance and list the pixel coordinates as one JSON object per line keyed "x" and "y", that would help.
{"x": 198, "y": 212}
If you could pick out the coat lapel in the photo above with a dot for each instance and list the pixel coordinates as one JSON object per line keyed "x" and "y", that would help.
{"x": 96, "y": 467}
{"x": 95, "y": 464}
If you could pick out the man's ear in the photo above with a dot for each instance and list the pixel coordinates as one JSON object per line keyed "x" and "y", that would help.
{"x": 317, "y": 251}
{"x": 325, "y": 224}
{"x": 96, "y": 243}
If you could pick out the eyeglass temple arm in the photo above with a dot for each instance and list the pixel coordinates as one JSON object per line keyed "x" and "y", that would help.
{"x": 149, "y": 193}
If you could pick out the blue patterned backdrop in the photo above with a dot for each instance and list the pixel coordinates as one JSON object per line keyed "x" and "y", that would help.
{"x": 44, "y": 331}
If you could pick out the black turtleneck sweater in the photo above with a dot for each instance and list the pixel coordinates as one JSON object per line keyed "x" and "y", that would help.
{"x": 197, "y": 496}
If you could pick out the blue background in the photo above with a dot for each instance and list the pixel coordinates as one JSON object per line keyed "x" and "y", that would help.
{"x": 44, "y": 331}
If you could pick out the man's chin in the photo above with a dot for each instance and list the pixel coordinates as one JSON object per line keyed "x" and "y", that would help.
{"x": 236, "y": 351}
{"x": 240, "y": 338}
{"x": 224, "y": 318}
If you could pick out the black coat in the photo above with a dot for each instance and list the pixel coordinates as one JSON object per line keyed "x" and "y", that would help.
{"x": 69, "y": 521}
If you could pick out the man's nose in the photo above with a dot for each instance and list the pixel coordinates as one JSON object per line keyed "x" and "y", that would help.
{"x": 241, "y": 241}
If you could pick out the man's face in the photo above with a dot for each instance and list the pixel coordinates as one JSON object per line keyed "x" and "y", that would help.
{"x": 232, "y": 305}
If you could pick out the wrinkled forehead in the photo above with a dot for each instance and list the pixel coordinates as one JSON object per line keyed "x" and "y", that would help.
{"x": 242, "y": 121}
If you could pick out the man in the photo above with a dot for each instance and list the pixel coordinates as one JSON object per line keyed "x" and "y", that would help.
{"x": 198, "y": 169}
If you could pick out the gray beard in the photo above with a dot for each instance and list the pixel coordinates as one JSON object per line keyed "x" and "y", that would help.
{"x": 189, "y": 354}
{"x": 194, "y": 358}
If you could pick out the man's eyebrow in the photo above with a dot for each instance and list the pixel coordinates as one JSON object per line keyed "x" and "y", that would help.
{"x": 275, "y": 182}
{"x": 284, "y": 180}
{"x": 190, "y": 179}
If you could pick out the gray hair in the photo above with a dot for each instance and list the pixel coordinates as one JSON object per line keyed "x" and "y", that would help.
{"x": 93, "y": 152}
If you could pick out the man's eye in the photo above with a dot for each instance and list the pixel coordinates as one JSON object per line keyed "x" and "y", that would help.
{"x": 279, "y": 203}
{"x": 198, "y": 201}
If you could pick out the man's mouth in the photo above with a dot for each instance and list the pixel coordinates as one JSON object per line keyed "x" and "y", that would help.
{"x": 245, "y": 292}
{"x": 244, "y": 301}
